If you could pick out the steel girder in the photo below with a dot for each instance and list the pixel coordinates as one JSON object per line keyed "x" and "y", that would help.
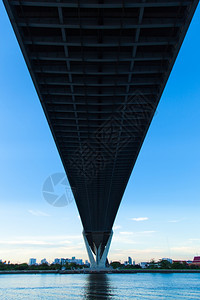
{"x": 99, "y": 68}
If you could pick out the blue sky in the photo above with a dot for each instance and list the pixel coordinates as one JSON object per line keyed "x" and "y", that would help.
{"x": 159, "y": 215}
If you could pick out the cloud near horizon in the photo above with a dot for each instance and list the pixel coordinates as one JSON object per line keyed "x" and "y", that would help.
{"x": 140, "y": 219}
{"x": 136, "y": 233}
{"x": 175, "y": 221}
{"x": 117, "y": 227}
{"x": 38, "y": 213}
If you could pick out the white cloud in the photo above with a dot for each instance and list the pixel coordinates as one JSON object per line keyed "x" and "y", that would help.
{"x": 126, "y": 232}
{"x": 184, "y": 250}
{"x": 38, "y": 213}
{"x": 51, "y": 238}
{"x": 25, "y": 242}
{"x": 138, "y": 254}
{"x": 137, "y": 251}
{"x": 129, "y": 237}
{"x": 123, "y": 239}
{"x": 117, "y": 227}
{"x": 35, "y": 243}
{"x": 140, "y": 219}
{"x": 147, "y": 232}
{"x": 138, "y": 233}
{"x": 175, "y": 221}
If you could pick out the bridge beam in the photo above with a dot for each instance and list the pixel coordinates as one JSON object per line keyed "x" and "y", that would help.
{"x": 98, "y": 262}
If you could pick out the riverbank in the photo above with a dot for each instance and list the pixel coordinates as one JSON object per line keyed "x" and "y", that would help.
{"x": 89, "y": 271}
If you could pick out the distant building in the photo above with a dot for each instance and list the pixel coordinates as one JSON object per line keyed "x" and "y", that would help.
{"x": 144, "y": 264}
{"x": 129, "y": 260}
{"x": 189, "y": 262}
{"x": 44, "y": 261}
{"x": 133, "y": 263}
{"x": 79, "y": 261}
{"x": 32, "y": 261}
{"x": 63, "y": 261}
{"x": 184, "y": 262}
{"x": 168, "y": 259}
{"x": 0, "y": 260}
{"x": 76, "y": 261}
{"x": 56, "y": 261}
{"x": 196, "y": 261}
{"x": 73, "y": 260}
{"x": 87, "y": 262}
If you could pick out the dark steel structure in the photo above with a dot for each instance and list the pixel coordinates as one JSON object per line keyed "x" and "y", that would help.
{"x": 99, "y": 68}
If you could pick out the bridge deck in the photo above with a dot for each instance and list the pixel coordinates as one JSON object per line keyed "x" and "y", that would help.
{"x": 99, "y": 68}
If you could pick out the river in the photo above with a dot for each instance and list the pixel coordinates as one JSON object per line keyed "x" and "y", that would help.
{"x": 100, "y": 286}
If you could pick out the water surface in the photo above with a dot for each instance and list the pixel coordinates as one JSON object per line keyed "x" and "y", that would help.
{"x": 100, "y": 286}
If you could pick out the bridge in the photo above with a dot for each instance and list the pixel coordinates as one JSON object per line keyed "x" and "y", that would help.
{"x": 99, "y": 69}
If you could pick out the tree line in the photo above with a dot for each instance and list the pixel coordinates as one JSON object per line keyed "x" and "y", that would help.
{"x": 44, "y": 266}
{"x": 162, "y": 264}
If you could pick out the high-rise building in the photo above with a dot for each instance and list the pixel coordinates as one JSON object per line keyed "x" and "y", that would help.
{"x": 63, "y": 261}
{"x": 79, "y": 261}
{"x": 75, "y": 261}
{"x": 56, "y": 261}
{"x": 44, "y": 261}
{"x": 143, "y": 264}
{"x": 32, "y": 261}
{"x": 129, "y": 260}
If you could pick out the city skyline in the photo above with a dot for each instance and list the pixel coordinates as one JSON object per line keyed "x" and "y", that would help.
{"x": 159, "y": 212}
{"x": 80, "y": 261}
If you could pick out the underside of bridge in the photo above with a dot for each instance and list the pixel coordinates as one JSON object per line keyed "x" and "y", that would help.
{"x": 99, "y": 68}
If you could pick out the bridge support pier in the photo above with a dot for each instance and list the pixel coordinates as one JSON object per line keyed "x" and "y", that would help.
{"x": 98, "y": 262}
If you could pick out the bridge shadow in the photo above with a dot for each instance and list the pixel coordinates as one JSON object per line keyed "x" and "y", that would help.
{"x": 98, "y": 287}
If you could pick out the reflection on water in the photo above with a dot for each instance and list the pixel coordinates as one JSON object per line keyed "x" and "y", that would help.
{"x": 98, "y": 286}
